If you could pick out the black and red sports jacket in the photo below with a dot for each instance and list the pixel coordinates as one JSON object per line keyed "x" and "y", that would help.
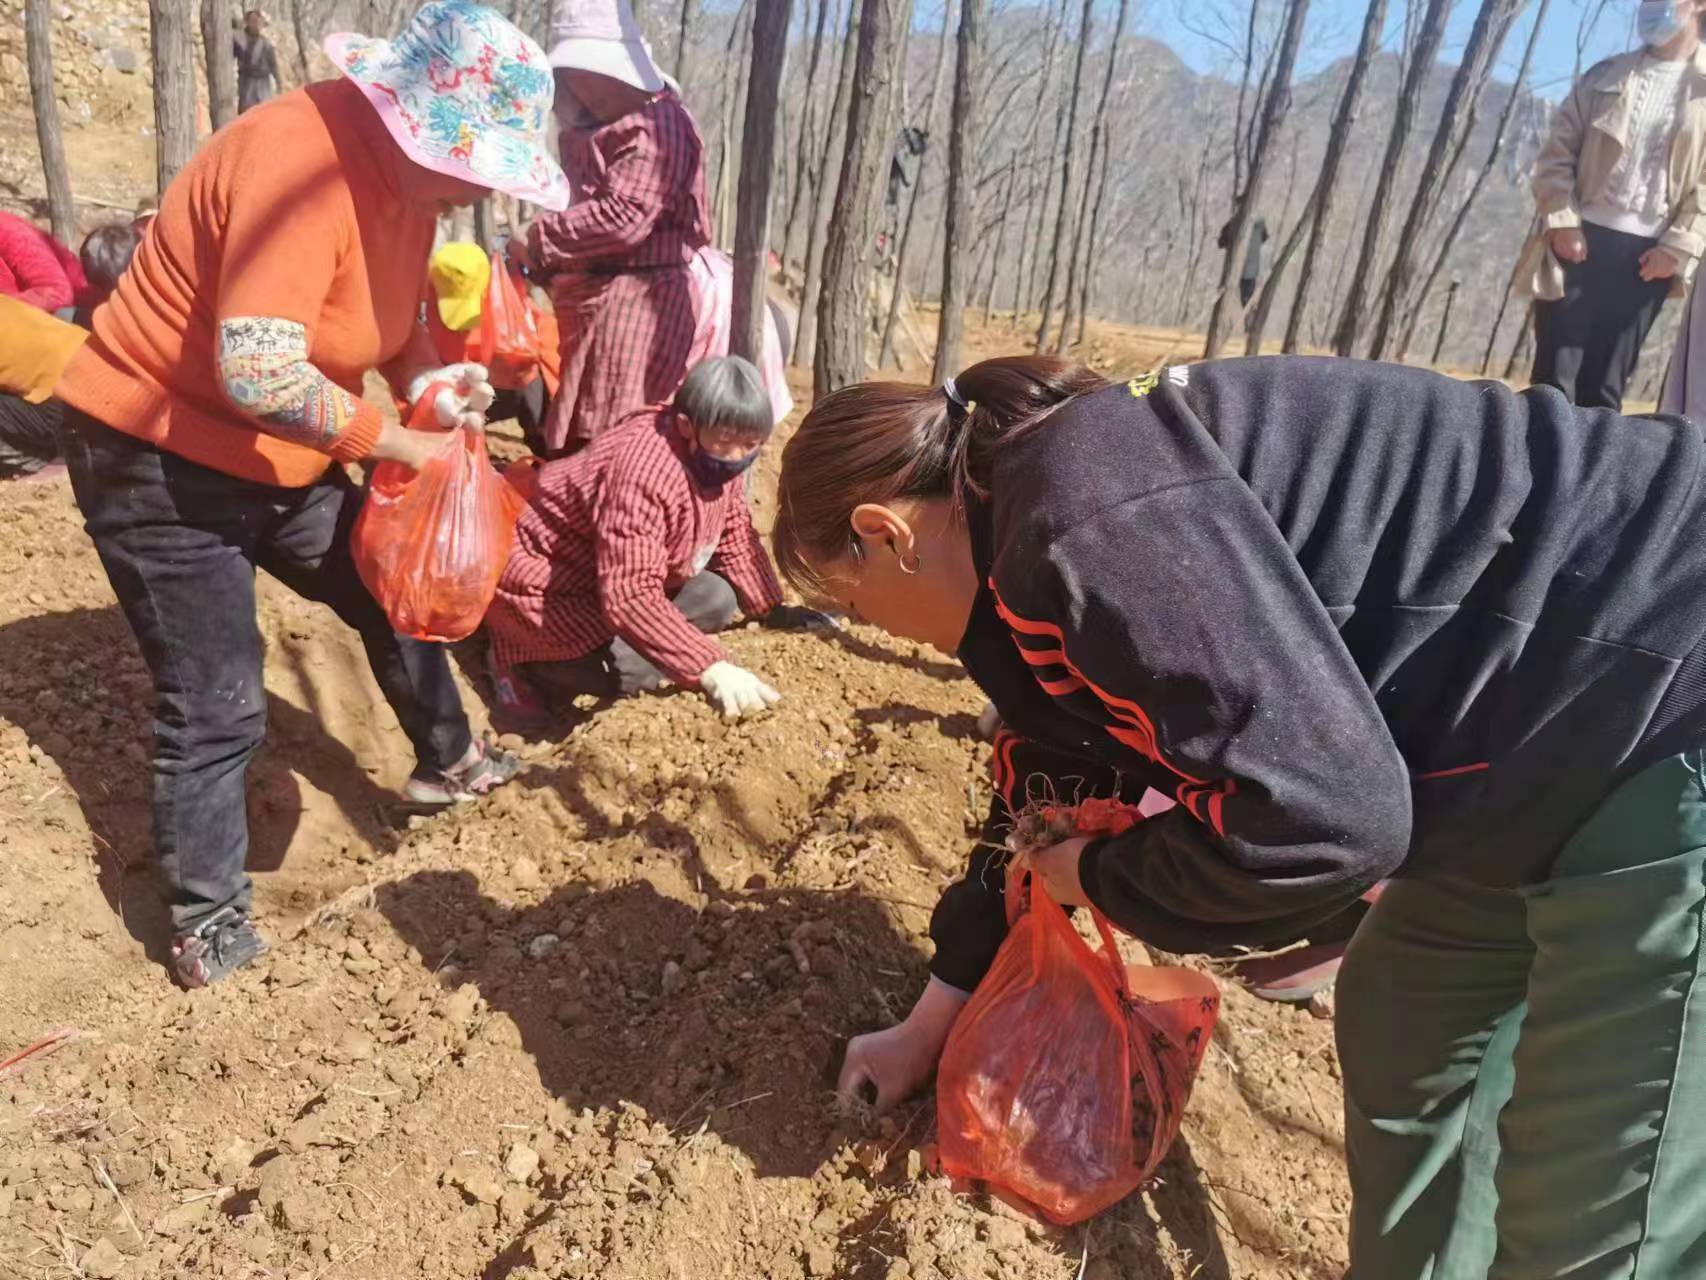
{"x": 1358, "y": 620}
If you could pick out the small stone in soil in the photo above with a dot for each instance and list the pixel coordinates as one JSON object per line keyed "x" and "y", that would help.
{"x": 543, "y": 946}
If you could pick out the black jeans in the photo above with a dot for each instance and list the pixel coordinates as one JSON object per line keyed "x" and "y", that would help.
{"x": 617, "y": 669}
{"x": 1588, "y": 342}
{"x": 180, "y": 544}
{"x": 29, "y": 435}
{"x": 527, "y": 406}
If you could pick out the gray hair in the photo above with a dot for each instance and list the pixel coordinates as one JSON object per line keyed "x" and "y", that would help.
{"x": 726, "y": 391}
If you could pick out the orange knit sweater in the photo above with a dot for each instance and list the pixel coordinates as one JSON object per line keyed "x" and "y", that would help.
{"x": 292, "y": 211}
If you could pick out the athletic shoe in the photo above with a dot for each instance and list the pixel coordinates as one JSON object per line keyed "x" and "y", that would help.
{"x": 488, "y": 770}
{"x": 217, "y": 947}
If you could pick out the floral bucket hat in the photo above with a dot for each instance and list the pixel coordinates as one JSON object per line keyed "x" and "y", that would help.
{"x": 464, "y": 93}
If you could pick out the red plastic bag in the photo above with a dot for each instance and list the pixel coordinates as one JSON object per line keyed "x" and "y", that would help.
{"x": 430, "y": 545}
{"x": 1066, "y": 1076}
{"x": 509, "y": 329}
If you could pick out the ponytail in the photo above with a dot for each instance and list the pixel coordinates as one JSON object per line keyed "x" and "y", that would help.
{"x": 878, "y": 442}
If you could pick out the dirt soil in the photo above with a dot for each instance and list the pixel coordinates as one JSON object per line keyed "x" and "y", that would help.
{"x": 586, "y": 1028}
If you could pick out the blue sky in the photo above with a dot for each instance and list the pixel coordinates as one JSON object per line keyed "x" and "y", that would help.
{"x": 1194, "y": 28}
{"x": 1201, "y": 30}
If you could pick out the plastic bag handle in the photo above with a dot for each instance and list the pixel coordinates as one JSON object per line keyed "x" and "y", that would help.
{"x": 1018, "y": 903}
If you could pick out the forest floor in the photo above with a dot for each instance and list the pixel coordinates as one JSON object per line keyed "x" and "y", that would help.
{"x": 587, "y": 1027}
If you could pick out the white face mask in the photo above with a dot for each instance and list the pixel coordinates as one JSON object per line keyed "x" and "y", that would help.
{"x": 1657, "y": 21}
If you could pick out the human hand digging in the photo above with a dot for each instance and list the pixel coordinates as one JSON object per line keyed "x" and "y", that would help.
{"x": 1056, "y": 865}
{"x": 1569, "y": 244}
{"x": 885, "y": 1067}
{"x": 1657, "y": 264}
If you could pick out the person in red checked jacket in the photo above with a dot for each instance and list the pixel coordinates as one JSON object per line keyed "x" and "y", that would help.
{"x": 617, "y": 259}
{"x": 633, "y": 551}
{"x": 37, "y": 269}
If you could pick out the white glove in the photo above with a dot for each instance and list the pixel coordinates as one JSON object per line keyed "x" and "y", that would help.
{"x": 464, "y": 402}
{"x": 736, "y": 691}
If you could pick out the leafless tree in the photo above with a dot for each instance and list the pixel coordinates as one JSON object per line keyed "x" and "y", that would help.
{"x": 844, "y": 303}
{"x": 38, "y": 42}
{"x": 965, "y": 136}
{"x": 173, "y": 48}
{"x": 1327, "y": 183}
{"x": 1274, "y": 107}
{"x": 1094, "y": 166}
{"x": 757, "y": 171}
{"x": 1492, "y": 21}
{"x": 684, "y": 41}
{"x": 1060, "y": 220}
{"x": 1428, "y": 37}
{"x": 1500, "y": 133}
{"x": 221, "y": 66}
{"x": 904, "y": 246}
{"x": 834, "y": 144}
{"x": 806, "y": 147}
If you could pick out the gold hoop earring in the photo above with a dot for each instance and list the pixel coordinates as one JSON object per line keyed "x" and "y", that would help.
{"x": 917, "y": 564}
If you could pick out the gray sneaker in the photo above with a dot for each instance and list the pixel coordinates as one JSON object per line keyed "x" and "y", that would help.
{"x": 218, "y": 946}
{"x": 490, "y": 768}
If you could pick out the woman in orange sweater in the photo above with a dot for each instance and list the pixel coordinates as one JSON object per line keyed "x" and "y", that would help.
{"x": 212, "y": 408}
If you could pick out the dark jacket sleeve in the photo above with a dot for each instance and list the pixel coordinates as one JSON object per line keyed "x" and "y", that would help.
{"x": 1180, "y": 623}
{"x": 970, "y": 919}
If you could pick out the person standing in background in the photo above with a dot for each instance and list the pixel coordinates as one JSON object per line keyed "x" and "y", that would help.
{"x": 257, "y": 62}
{"x": 1617, "y": 190}
{"x": 617, "y": 260}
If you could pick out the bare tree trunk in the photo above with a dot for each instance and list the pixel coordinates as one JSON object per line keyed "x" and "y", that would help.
{"x": 733, "y": 94}
{"x": 844, "y": 303}
{"x": 1098, "y": 142}
{"x": 221, "y": 66}
{"x": 1522, "y": 336}
{"x": 965, "y": 139}
{"x": 173, "y": 48}
{"x": 1491, "y": 22}
{"x": 1195, "y": 230}
{"x": 1428, "y": 39}
{"x": 299, "y": 25}
{"x": 902, "y": 249}
{"x": 1274, "y": 109}
{"x": 834, "y": 144}
{"x": 1445, "y": 320}
{"x": 1504, "y": 302}
{"x": 757, "y": 170}
{"x": 38, "y": 40}
{"x": 1052, "y": 30}
{"x": 1032, "y": 287}
{"x": 1095, "y": 239}
{"x": 806, "y": 141}
{"x": 1271, "y": 286}
{"x": 1327, "y": 183}
{"x": 1493, "y": 153}
{"x": 684, "y": 41}
{"x": 1059, "y": 237}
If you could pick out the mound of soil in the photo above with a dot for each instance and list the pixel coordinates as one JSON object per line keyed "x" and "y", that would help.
{"x": 588, "y": 1027}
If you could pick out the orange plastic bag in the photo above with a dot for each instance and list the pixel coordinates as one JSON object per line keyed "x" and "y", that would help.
{"x": 509, "y": 330}
{"x": 1066, "y": 1076}
{"x": 430, "y": 545}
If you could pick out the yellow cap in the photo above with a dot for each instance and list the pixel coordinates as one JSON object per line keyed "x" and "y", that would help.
{"x": 459, "y": 274}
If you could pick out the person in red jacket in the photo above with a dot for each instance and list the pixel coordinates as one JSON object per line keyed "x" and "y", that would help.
{"x": 635, "y": 550}
{"x": 37, "y": 269}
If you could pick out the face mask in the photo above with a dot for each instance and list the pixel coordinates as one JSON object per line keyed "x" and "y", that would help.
{"x": 713, "y": 472}
{"x": 1657, "y": 21}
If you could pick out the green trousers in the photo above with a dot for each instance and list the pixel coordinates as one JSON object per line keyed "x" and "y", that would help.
{"x": 1525, "y": 1070}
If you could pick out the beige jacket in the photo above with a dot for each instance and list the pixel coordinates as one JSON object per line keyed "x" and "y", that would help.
{"x": 1589, "y": 132}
